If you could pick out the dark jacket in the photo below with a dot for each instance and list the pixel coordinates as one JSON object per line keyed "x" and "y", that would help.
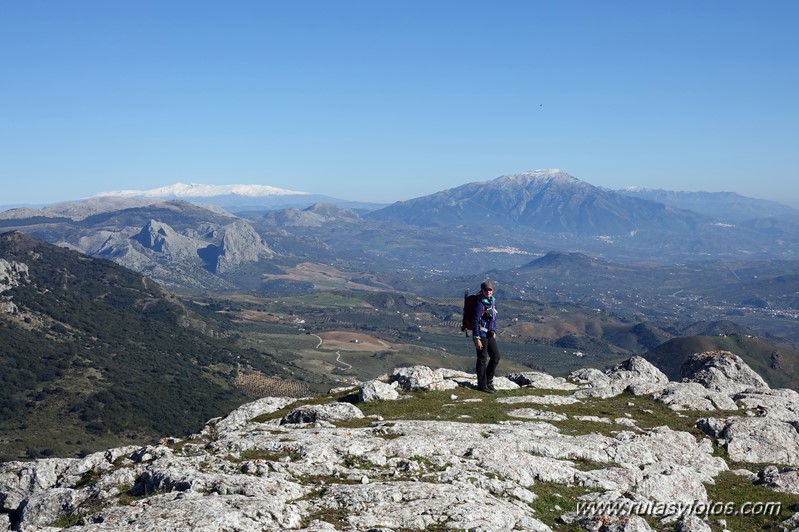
{"x": 484, "y": 317}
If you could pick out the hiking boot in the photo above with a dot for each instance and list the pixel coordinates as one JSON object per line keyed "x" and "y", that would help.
{"x": 485, "y": 389}
{"x": 490, "y": 386}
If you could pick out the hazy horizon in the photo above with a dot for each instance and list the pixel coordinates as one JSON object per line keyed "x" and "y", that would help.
{"x": 179, "y": 190}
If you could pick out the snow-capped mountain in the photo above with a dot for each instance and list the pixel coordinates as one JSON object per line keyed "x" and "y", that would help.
{"x": 239, "y": 198}
{"x": 196, "y": 190}
{"x": 546, "y": 200}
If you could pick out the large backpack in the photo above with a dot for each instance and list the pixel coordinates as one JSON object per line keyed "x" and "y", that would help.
{"x": 469, "y": 301}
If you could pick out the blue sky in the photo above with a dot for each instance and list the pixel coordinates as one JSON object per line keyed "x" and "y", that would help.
{"x": 390, "y": 100}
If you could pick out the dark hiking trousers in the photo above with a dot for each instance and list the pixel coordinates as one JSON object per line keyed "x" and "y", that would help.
{"x": 487, "y": 360}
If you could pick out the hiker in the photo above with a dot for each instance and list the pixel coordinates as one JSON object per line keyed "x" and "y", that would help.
{"x": 484, "y": 331}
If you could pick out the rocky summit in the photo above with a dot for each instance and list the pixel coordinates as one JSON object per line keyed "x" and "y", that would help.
{"x": 623, "y": 449}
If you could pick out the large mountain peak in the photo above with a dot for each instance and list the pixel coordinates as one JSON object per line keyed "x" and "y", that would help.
{"x": 551, "y": 201}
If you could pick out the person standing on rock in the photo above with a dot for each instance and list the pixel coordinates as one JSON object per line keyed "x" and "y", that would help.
{"x": 484, "y": 330}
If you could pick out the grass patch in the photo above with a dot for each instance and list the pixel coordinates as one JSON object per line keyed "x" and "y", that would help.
{"x": 269, "y": 455}
{"x": 555, "y": 500}
{"x": 439, "y": 406}
{"x": 87, "y": 478}
{"x": 69, "y": 520}
{"x": 472, "y": 406}
{"x": 334, "y": 516}
{"x": 740, "y": 496}
{"x": 644, "y": 410}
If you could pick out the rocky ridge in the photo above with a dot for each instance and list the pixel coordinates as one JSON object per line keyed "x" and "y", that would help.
{"x": 175, "y": 243}
{"x": 288, "y": 464}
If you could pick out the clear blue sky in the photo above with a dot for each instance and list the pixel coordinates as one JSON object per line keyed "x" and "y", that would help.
{"x": 388, "y": 100}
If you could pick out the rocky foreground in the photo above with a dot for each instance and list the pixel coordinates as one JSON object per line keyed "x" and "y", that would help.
{"x": 287, "y": 464}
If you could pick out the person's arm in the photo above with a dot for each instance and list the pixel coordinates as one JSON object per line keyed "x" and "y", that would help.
{"x": 476, "y": 315}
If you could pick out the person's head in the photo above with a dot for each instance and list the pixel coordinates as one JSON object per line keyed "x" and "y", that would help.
{"x": 487, "y": 288}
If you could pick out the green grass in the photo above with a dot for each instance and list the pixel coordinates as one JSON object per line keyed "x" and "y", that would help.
{"x": 554, "y": 500}
{"x": 738, "y": 494}
{"x": 439, "y": 406}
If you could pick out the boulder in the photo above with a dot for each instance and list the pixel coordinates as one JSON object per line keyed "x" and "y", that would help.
{"x": 422, "y": 378}
{"x": 721, "y": 371}
{"x": 755, "y": 440}
{"x": 328, "y": 412}
{"x": 693, "y": 396}
{"x": 377, "y": 391}
{"x": 635, "y": 375}
{"x": 784, "y": 479}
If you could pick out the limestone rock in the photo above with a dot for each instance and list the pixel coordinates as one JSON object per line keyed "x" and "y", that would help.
{"x": 240, "y": 244}
{"x": 329, "y": 412}
{"x": 777, "y": 404}
{"x": 791, "y": 524}
{"x": 785, "y": 480}
{"x": 755, "y": 440}
{"x": 537, "y": 379}
{"x": 422, "y": 378}
{"x": 11, "y": 274}
{"x": 721, "y": 371}
{"x": 635, "y": 375}
{"x": 693, "y": 396}
{"x": 377, "y": 391}
{"x": 692, "y": 523}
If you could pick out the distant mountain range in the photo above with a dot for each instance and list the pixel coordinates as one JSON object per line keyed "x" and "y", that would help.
{"x": 544, "y": 200}
{"x": 495, "y": 225}
{"x": 541, "y": 211}
{"x": 727, "y": 206}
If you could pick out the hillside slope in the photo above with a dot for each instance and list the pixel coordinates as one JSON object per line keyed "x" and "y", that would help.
{"x": 94, "y": 354}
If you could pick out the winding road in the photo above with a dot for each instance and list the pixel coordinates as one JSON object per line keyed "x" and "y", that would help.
{"x": 338, "y": 353}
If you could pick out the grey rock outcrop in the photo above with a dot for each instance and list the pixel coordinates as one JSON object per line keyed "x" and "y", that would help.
{"x": 721, "y": 371}
{"x": 324, "y": 466}
{"x": 776, "y": 404}
{"x": 11, "y": 274}
{"x": 166, "y": 255}
{"x": 784, "y": 479}
{"x": 240, "y": 244}
{"x": 159, "y": 237}
{"x": 422, "y": 378}
{"x": 537, "y": 379}
{"x": 756, "y": 439}
{"x": 316, "y": 413}
{"x": 635, "y": 375}
{"x": 694, "y": 396}
{"x": 377, "y": 391}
